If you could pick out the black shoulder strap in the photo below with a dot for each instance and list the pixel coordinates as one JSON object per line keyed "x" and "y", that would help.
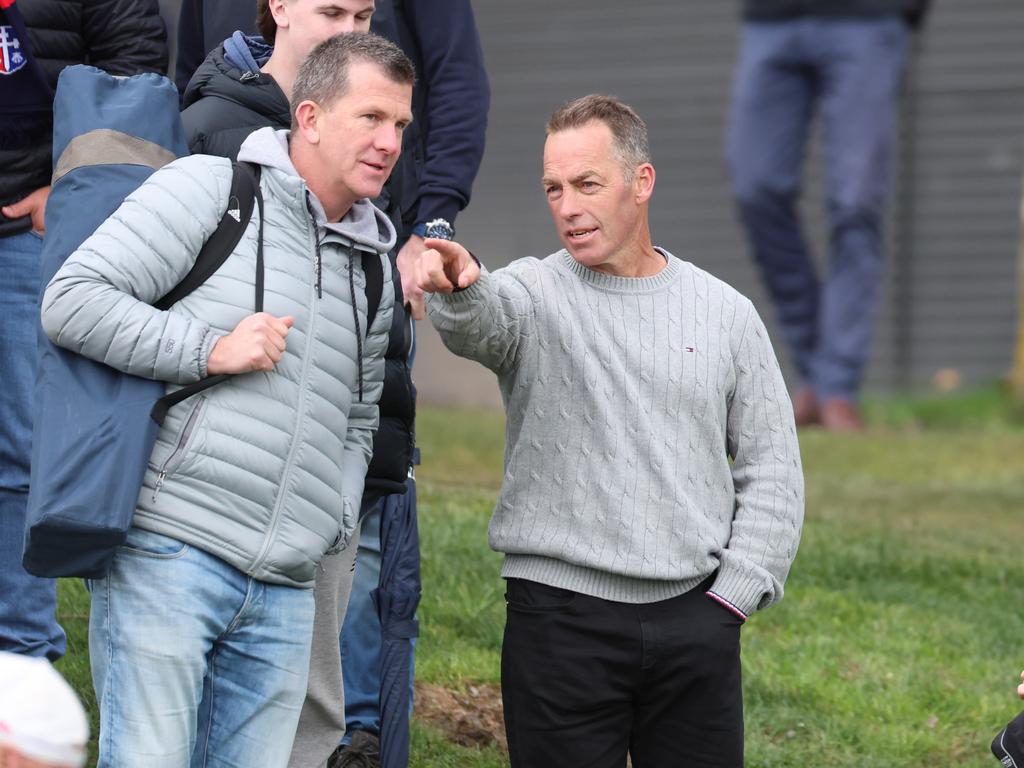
{"x": 373, "y": 268}
{"x": 245, "y": 193}
{"x": 245, "y": 183}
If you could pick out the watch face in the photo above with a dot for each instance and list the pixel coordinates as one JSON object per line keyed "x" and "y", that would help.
{"x": 440, "y": 229}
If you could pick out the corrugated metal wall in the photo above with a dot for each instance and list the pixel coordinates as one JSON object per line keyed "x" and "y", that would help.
{"x": 950, "y": 284}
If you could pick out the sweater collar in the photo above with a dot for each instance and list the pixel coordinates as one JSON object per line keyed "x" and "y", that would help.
{"x": 618, "y": 284}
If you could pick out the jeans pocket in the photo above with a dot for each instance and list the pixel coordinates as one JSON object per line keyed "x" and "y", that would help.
{"x": 728, "y": 616}
{"x": 153, "y": 545}
{"x": 534, "y": 597}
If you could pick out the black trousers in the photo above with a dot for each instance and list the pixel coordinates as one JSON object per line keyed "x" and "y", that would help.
{"x": 585, "y": 680}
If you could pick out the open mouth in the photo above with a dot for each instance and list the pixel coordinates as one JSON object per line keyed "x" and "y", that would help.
{"x": 579, "y": 235}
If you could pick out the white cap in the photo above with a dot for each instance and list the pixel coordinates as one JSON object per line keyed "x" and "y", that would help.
{"x": 40, "y": 716}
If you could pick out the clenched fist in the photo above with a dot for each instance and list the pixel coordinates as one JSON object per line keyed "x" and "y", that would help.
{"x": 256, "y": 344}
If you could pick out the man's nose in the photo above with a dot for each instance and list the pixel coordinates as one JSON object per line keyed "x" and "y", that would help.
{"x": 569, "y": 205}
{"x": 388, "y": 139}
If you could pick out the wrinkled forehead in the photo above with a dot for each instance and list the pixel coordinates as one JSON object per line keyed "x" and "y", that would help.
{"x": 369, "y": 87}
{"x": 571, "y": 149}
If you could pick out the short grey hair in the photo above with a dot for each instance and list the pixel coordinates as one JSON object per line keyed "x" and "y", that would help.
{"x": 323, "y": 75}
{"x": 629, "y": 132}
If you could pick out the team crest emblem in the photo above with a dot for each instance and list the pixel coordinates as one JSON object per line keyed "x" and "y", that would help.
{"x": 11, "y": 57}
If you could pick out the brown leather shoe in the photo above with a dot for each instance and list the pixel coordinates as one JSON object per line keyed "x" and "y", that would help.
{"x": 840, "y": 415}
{"x": 805, "y": 408}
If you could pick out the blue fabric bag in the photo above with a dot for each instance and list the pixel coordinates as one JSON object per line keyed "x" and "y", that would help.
{"x": 93, "y": 430}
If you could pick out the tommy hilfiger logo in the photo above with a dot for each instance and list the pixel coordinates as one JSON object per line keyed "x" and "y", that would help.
{"x": 11, "y": 57}
{"x": 688, "y": 349}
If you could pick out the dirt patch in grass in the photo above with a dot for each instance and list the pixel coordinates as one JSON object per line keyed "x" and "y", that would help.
{"x": 471, "y": 717}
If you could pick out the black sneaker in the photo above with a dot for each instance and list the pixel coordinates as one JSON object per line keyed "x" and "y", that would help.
{"x": 1008, "y": 745}
{"x": 363, "y": 752}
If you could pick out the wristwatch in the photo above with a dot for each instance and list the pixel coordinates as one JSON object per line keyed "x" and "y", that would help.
{"x": 439, "y": 229}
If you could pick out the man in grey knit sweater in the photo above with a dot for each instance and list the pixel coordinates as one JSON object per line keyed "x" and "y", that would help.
{"x": 653, "y": 493}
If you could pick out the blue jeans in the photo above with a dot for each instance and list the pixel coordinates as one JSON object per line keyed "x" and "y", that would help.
{"x": 850, "y": 70}
{"x": 28, "y": 623}
{"x": 194, "y": 663}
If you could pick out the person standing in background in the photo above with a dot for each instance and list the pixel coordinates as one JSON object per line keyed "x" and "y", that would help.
{"x": 38, "y": 38}
{"x": 846, "y": 59}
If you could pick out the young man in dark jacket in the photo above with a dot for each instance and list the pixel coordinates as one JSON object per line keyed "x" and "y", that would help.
{"x": 243, "y": 85}
{"x": 38, "y": 38}
{"x": 845, "y": 57}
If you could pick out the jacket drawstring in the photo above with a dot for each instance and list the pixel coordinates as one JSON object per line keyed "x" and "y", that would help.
{"x": 355, "y": 316}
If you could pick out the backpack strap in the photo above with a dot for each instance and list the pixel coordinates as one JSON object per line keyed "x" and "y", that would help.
{"x": 245, "y": 185}
{"x": 245, "y": 192}
{"x": 374, "y": 271}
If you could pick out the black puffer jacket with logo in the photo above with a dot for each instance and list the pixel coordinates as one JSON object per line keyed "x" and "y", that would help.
{"x": 123, "y": 37}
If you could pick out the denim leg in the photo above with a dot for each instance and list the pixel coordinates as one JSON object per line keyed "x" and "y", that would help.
{"x": 771, "y": 110}
{"x": 28, "y": 604}
{"x": 360, "y": 634}
{"x": 862, "y": 65}
{"x": 256, "y": 682}
{"x": 192, "y": 661}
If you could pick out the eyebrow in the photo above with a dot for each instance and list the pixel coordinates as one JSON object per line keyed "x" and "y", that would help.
{"x": 546, "y": 180}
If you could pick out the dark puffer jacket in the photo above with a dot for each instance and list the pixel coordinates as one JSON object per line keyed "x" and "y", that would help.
{"x": 225, "y": 102}
{"x": 123, "y": 37}
{"x": 768, "y": 10}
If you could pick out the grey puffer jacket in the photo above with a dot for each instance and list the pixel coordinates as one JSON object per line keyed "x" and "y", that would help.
{"x": 265, "y": 470}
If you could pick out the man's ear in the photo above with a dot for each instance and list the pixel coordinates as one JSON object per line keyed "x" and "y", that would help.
{"x": 279, "y": 11}
{"x": 307, "y": 120}
{"x": 643, "y": 182}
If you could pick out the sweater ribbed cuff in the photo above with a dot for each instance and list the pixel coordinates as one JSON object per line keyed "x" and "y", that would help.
{"x": 459, "y": 296}
{"x": 737, "y": 588}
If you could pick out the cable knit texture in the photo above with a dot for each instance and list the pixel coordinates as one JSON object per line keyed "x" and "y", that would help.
{"x": 649, "y": 436}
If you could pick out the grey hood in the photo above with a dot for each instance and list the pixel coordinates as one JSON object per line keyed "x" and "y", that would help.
{"x": 365, "y": 227}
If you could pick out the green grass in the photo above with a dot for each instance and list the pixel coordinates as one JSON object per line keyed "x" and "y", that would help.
{"x": 902, "y": 632}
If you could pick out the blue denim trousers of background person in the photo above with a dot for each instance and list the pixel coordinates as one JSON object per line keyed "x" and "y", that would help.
{"x": 193, "y": 662}
{"x": 360, "y": 632}
{"x": 28, "y": 622}
{"x": 849, "y": 70}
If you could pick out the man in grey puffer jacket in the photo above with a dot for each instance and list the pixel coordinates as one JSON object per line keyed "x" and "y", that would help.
{"x": 199, "y": 636}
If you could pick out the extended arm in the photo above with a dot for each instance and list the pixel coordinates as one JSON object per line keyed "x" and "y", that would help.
{"x": 481, "y": 316}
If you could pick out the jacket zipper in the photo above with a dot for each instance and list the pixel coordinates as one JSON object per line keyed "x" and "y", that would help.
{"x": 300, "y": 410}
{"x": 316, "y": 251}
{"x": 172, "y": 462}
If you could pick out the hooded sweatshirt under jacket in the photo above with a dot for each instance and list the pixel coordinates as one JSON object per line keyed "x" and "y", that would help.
{"x": 265, "y": 470}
